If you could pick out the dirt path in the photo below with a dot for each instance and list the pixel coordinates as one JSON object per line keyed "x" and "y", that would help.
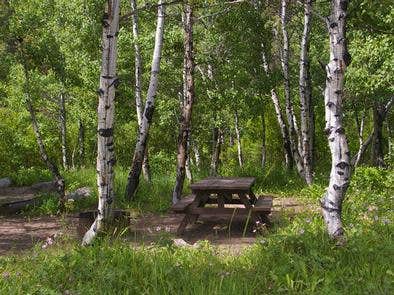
{"x": 20, "y": 233}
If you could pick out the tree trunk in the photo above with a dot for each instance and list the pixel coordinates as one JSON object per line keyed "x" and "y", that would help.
{"x": 360, "y": 131}
{"x": 377, "y": 137}
{"x": 81, "y": 144}
{"x": 216, "y": 146}
{"x": 185, "y": 120}
{"x": 237, "y": 133}
{"x": 63, "y": 129}
{"x": 105, "y": 116}
{"x": 138, "y": 84}
{"x": 331, "y": 202}
{"x": 189, "y": 174}
{"x": 291, "y": 119}
{"x": 263, "y": 141}
{"x": 196, "y": 154}
{"x": 306, "y": 96}
{"x": 282, "y": 125}
{"x": 52, "y": 167}
{"x": 139, "y": 152}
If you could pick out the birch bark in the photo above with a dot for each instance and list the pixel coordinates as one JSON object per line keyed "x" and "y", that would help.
{"x": 238, "y": 134}
{"x": 291, "y": 119}
{"x": 282, "y": 125}
{"x": 331, "y": 202}
{"x": 306, "y": 96}
{"x": 135, "y": 171}
{"x": 105, "y": 116}
{"x": 185, "y": 120}
{"x": 138, "y": 84}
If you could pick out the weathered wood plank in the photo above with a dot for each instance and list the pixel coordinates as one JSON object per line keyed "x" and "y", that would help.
{"x": 183, "y": 203}
{"x": 224, "y": 184}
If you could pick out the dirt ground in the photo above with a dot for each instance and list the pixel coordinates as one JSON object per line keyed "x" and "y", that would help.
{"x": 19, "y": 233}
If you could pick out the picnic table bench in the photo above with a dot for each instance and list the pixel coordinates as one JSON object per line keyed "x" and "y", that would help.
{"x": 222, "y": 191}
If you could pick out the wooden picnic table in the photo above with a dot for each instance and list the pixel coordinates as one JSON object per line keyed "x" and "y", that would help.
{"x": 223, "y": 191}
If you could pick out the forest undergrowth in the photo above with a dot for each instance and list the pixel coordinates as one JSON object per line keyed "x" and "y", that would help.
{"x": 295, "y": 256}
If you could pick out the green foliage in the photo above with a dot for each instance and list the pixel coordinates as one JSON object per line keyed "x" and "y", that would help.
{"x": 296, "y": 256}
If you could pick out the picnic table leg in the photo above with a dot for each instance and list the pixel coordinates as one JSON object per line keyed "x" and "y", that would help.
{"x": 190, "y": 218}
{"x": 252, "y": 197}
{"x": 221, "y": 200}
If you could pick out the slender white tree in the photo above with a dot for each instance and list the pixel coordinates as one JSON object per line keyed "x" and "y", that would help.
{"x": 307, "y": 126}
{"x": 186, "y": 112}
{"x": 139, "y": 152}
{"x": 138, "y": 83}
{"x": 331, "y": 202}
{"x": 105, "y": 116}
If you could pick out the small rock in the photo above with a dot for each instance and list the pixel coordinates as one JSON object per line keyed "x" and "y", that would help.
{"x": 80, "y": 193}
{"x": 181, "y": 243}
{"x": 5, "y": 182}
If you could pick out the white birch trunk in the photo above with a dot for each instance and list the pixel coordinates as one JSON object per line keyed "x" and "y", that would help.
{"x": 138, "y": 84}
{"x": 360, "y": 129}
{"x": 237, "y": 133}
{"x": 139, "y": 152}
{"x": 294, "y": 134}
{"x": 331, "y": 203}
{"x": 105, "y": 116}
{"x": 306, "y": 95}
{"x": 186, "y": 112}
{"x": 282, "y": 125}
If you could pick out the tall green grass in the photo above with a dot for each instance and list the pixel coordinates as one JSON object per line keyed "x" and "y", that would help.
{"x": 295, "y": 257}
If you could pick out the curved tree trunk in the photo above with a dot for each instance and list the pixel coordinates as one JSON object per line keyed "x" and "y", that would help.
{"x": 331, "y": 203}
{"x": 185, "y": 120}
{"x": 105, "y": 117}
{"x": 138, "y": 84}
{"x": 306, "y": 96}
{"x": 52, "y": 167}
{"x": 139, "y": 152}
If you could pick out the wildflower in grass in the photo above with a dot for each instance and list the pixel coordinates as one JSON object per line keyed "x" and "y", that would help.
{"x": 308, "y": 220}
{"x": 263, "y": 241}
{"x": 376, "y": 218}
{"x": 158, "y": 228}
{"x": 167, "y": 229}
{"x": 301, "y": 232}
{"x": 385, "y": 221}
{"x": 5, "y": 275}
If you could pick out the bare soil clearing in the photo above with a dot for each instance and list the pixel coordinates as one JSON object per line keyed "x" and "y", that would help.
{"x": 21, "y": 233}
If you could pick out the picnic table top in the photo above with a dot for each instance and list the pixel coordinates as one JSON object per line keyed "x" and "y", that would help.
{"x": 223, "y": 183}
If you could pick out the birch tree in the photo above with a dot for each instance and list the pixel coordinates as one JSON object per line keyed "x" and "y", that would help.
{"x": 138, "y": 83}
{"x": 331, "y": 202}
{"x": 186, "y": 112}
{"x": 307, "y": 126}
{"x": 238, "y": 134}
{"x": 139, "y": 152}
{"x": 281, "y": 122}
{"x": 291, "y": 119}
{"x": 105, "y": 117}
